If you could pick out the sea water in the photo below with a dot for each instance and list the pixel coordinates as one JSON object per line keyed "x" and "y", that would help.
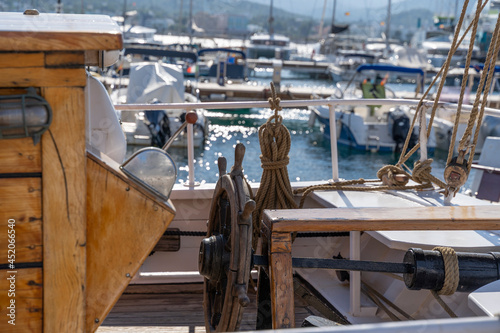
{"x": 310, "y": 156}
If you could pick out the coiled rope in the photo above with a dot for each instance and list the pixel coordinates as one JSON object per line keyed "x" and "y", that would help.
{"x": 275, "y": 191}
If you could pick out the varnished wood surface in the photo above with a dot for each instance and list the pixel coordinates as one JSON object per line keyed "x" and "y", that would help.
{"x": 40, "y": 76}
{"x": 174, "y": 308}
{"x": 21, "y": 200}
{"x": 64, "y": 212}
{"x": 28, "y": 301}
{"x": 123, "y": 226}
{"x": 21, "y": 60}
{"x": 368, "y": 219}
{"x": 20, "y": 156}
{"x": 56, "y": 32}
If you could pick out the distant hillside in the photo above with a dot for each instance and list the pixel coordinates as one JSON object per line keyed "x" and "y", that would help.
{"x": 299, "y": 21}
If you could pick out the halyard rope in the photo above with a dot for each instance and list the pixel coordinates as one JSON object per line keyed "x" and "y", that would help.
{"x": 275, "y": 191}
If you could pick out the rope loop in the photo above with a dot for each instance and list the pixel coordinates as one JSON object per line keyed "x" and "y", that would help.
{"x": 422, "y": 171}
{"x": 387, "y": 174}
{"x": 267, "y": 164}
{"x": 451, "y": 270}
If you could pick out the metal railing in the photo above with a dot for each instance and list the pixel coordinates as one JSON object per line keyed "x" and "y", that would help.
{"x": 331, "y": 103}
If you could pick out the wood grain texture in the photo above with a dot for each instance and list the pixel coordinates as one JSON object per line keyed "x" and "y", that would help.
{"x": 64, "y": 59}
{"x": 64, "y": 212}
{"x": 123, "y": 226}
{"x": 28, "y": 301}
{"x": 368, "y": 219}
{"x": 21, "y": 200}
{"x": 282, "y": 298}
{"x": 22, "y": 59}
{"x": 20, "y": 155}
{"x": 59, "y": 41}
{"x": 40, "y": 76}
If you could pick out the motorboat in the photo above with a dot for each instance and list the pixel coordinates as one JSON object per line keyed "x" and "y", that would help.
{"x": 157, "y": 82}
{"x": 270, "y": 46}
{"x": 372, "y": 128}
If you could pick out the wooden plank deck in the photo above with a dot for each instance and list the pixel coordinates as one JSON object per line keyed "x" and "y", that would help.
{"x": 175, "y": 308}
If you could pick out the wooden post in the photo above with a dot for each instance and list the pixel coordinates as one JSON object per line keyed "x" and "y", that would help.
{"x": 50, "y": 177}
{"x": 281, "y": 276}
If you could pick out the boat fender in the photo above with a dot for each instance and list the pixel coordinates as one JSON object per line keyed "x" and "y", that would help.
{"x": 475, "y": 270}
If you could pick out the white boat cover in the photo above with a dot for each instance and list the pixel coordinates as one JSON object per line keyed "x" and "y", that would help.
{"x": 150, "y": 81}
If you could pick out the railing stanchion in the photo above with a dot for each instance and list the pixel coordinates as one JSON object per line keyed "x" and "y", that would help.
{"x": 333, "y": 143}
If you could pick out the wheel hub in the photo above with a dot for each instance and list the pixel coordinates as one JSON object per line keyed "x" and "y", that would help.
{"x": 212, "y": 257}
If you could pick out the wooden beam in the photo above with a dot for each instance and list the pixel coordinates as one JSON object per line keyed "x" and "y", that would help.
{"x": 20, "y": 156}
{"x": 28, "y": 300}
{"x": 22, "y": 59}
{"x": 371, "y": 219}
{"x": 124, "y": 223}
{"x": 63, "y": 59}
{"x": 40, "y": 76}
{"x": 281, "y": 277}
{"x": 64, "y": 212}
{"x": 21, "y": 200}
{"x": 59, "y": 41}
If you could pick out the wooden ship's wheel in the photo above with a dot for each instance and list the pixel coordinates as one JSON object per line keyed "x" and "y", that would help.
{"x": 225, "y": 254}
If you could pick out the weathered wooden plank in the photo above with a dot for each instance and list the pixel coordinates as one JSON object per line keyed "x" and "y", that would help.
{"x": 64, "y": 212}
{"x": 20, "y": 156}
{"x": 64, "y": 59}
{"x": 21, "y": 201}
{"x": 281, "y": 277}
{"x": 123, "y": 225}
{"x": 368, "y": 219}
{"x": 21, "y": 60}
{"x": 27, "y": 298}
{"x": 59, "y": 41}
{"x": 40, "y": 77}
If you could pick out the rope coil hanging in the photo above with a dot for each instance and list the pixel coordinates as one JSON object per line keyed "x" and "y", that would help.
{"x": 275, "y": 191}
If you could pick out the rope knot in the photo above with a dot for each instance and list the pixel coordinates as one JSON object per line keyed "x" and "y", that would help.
{"x": 422, "y": 171}
{"x": 393, "y": 175}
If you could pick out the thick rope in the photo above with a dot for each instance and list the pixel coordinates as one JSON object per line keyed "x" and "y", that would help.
{"x": 275, "y": 191}
{"x": 451, "y": 270}
{"x": 464, "y": 84}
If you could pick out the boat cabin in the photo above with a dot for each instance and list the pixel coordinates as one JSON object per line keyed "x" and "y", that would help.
{"x": 64, "y": 205}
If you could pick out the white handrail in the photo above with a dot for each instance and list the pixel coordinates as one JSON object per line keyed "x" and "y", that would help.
{"x": 296, "y": 103}
{"x": 293, "y": 103}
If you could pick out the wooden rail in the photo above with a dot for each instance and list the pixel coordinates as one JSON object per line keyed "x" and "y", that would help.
{"x": 279, "y": 224}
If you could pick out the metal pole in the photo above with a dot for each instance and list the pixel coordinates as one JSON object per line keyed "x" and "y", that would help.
{"x": 271, "y": 19}
{"x": 190, "y": 146}
{"x": 388, "y": 28}
{"x": 333, "y": 143}
{"x": 333, "y": 14}
{"x": 190, "y": 22}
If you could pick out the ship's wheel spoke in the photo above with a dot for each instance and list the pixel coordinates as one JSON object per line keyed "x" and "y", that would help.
{"x": 220, "y": 259}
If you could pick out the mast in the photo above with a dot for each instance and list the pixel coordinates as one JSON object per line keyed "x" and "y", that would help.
{"x": 190, "y": 29}
{"x": 271, "y": 19}
{"x": 333, "y": 14}
{"x": 320, "y": 32}
{"x": 388, "y": 27}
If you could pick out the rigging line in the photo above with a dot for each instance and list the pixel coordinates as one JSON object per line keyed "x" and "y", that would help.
{"x": 464, "y": 84}
{"x": 465, "y": 140}
{"x": 403, "y": 158}
{"x": 491, "y": 73}
{"x": 64, "y": 174}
